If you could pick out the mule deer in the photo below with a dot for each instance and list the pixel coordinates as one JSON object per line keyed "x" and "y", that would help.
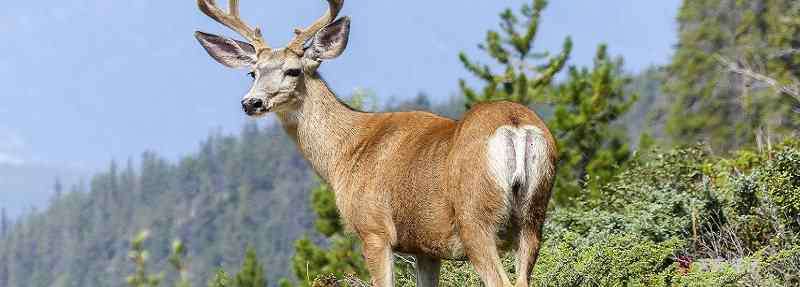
{"x": 408, "y": 182}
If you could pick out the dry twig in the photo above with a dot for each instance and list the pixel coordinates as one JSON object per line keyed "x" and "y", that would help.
{"x": 789, "y": 90}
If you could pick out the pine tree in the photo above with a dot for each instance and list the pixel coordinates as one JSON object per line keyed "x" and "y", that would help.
{"x": 220, "y": 279}
{"x": 141, "y": 277}
{"x": 3, "y": 222}
{"x": 720, "y": 108}
{"x": 177, "y": 259}
{"x": 58, "y": 189}
{"x": 343, "y": 255}
{"x": 113, "y": 182}
{"x": 252, "y": 272}
{"x": 591, "y": 147}
{"x": 4, "y": 263}
{"x": 521, "y": 81}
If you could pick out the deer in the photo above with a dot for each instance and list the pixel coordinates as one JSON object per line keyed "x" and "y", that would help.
{"x": 412, "y": 183}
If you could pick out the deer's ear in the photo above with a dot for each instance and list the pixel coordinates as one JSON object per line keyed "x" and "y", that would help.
{"x": 330, "y": 41}
{"x": 229, "y": 52}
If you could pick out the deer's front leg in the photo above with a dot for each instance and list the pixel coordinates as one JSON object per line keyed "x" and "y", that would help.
{"x": 379, "y": 259}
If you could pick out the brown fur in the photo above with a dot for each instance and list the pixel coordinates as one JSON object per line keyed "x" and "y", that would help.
{"x": 418, "y": 183}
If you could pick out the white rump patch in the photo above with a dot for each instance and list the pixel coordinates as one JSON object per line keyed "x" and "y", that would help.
{"x": 516, "y": 156}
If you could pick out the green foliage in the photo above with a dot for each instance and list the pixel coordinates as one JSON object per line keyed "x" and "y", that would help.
{"x": 722, "y": 224}
{"x": 323, "y": 201}
{"x": 653, "y": 198}
{"x": 520, "y": 81}
{"x": 781, "y": 183}
{"x": 605, "y": 260}
{"x": 221, "y": 279}
{"x": 251, "y": 273}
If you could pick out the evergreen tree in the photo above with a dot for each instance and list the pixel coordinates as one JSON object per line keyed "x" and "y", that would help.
{"x": 342, "y": 256}
{"x": 178, "y": 261}
{"x": 3, "y": 222}
{"x": 641, "y": 121}
{"x": 520, "y": 81}
{"x": 711, "y": 105}
{"x": 252, "y": 272}
{"x": 3, "y": 266}
{"x": 141, "y": 277}
{"x": 591, "y": 147}
{"x": 113, "y": 183}
{"x": 58, "y": 189}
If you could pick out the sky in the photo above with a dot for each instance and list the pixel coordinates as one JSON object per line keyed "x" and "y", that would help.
{"x": 86, "y": 82}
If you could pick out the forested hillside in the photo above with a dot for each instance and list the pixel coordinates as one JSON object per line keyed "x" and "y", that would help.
{"x": 235, "y": 191}
{"x": 723, "y": 105}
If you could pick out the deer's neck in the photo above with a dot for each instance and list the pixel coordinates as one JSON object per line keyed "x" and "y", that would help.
{"x": 322, "y": 126}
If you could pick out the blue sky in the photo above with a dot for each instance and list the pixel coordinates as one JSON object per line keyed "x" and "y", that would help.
{"x": 84, "y": 82}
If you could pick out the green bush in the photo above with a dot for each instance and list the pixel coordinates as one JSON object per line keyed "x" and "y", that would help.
{"x": 659, "y": 197}
{"x": 605, "y": 260}
{"x": 780, "y": 181}
{"x": 731, "y": 220}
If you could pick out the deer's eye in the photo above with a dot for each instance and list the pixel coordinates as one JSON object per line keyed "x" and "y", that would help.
{"x": 252, "y": 74}
{"x": 292, "y": 72}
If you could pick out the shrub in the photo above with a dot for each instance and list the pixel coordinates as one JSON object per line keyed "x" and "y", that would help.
{"x": 606, "y": 260}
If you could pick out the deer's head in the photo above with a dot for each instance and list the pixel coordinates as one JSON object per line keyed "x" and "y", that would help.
{"x": 278, "y": 74}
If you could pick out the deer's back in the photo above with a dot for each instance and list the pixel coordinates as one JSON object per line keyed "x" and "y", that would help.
{"x": 414, "y": 161}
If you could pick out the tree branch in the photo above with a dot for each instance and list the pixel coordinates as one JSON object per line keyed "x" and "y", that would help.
{"x": 789, "y": 90}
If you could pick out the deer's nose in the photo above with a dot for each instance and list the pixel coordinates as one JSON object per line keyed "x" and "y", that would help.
{"x": 251, "y": 105}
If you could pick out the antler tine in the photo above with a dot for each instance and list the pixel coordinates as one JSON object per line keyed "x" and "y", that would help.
{"x": 232, "y": 21}
{"x": 296, "y": 45}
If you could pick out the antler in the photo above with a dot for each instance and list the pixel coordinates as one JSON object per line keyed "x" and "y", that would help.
{"x": 232, "y": 21}
{"x": 296, "y": 45}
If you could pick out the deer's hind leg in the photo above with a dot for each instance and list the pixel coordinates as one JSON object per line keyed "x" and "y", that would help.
{"x": 480, "y": 246}
{"x": 531, "y": 221}
{"x": 527, "y": 252}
